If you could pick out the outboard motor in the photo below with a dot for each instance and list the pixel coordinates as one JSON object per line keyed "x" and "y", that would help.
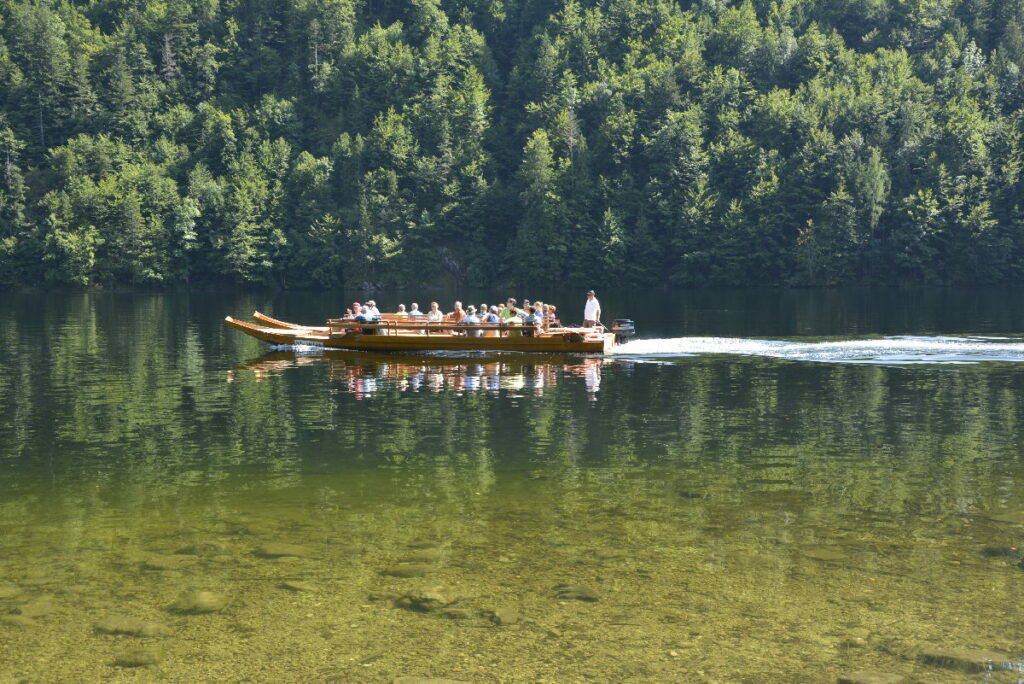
{"x": 623, "y": 329}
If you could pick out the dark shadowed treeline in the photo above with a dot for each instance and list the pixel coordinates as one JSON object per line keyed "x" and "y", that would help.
{"x": 321, "y": 142}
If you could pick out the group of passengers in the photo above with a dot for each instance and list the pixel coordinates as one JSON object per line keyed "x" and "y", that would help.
{"x": 532, "y": 316}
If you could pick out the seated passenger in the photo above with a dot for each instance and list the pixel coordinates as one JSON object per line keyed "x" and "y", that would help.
{"x": 354, "y": 311}
{"x": 414, "y": 311}
{"x": 401, "y": 313}
{"x": 553, "y": 321}
{"x": 490, "y": 318}
{"x": 532, "y": 321}
{"x": 364, "y": 315}
{"x": 458, "y": 314}
{"x": 434, "y": 315}
{"x": 372, "y": 308}
{"x": 472, "y": 320}
{"x": 509, "y": 310}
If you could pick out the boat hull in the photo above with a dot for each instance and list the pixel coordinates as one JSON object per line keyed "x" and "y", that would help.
{"x": 567, "y": 342}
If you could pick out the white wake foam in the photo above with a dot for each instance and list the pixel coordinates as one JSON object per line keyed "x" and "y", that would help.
{"x": 888, "y": 350}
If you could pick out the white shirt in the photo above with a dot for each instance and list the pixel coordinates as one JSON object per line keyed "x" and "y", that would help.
{"x": 592, "y": 311}
{"x": 374, "y": 311}
{"x": 435, "y": 316}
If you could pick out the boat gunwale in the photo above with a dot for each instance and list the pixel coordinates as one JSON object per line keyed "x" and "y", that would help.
{"x": 356, "y": 339}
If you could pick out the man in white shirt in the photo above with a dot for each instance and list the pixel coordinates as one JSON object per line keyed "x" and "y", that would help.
{"x": 592, "y": 311}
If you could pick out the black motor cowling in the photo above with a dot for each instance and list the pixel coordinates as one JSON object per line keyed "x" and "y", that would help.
{"x": 623, "y": 329}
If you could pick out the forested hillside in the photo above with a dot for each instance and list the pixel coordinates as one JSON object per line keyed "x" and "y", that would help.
{"x": 325, "y": 142}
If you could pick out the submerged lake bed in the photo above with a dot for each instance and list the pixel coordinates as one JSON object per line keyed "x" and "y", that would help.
{"x": 766, "y": 486}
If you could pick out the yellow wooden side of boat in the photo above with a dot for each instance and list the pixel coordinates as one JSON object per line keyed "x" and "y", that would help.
{"x": 275, "y": 323}
{"x": 412, "y": 337}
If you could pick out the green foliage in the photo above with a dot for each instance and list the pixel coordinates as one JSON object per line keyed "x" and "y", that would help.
{"x": 328, "y": 142}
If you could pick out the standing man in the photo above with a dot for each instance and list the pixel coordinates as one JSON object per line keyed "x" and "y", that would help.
{"x": 592, "y": 311}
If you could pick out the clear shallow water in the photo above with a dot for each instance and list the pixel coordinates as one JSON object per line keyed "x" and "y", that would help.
{"x": 741, "y": 513}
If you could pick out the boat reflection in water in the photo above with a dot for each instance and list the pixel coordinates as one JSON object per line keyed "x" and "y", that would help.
{"x": 364, "y": 373}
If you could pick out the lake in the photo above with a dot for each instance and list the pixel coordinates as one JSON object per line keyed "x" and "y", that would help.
{"x": 764, "y": 486}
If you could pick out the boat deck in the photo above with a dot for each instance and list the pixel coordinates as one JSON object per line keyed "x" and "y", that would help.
{"x": 403, "y": 335}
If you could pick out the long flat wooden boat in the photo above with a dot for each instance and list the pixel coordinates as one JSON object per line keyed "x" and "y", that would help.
{"x": 408, "y": 336}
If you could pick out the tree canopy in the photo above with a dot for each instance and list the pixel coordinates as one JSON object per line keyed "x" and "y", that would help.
{"x": 323, "y": 142}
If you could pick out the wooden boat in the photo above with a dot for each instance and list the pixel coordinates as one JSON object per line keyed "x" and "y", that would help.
{"x": 401, "y": 334}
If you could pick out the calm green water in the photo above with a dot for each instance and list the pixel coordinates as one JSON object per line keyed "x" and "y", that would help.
{"x": 771, "y": 486}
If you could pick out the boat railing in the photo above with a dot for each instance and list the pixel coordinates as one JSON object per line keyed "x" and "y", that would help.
{"x": 394, "y": 327}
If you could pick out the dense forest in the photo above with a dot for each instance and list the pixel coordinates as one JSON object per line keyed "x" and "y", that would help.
{"x": 303, "y": 143}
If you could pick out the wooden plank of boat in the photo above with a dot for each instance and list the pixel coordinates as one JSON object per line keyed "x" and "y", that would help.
{"x": 275, "y": 323}
{"x": 388, "y": 336}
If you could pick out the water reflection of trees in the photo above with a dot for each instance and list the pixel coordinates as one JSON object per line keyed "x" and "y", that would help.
{"x": 133, "y": 388}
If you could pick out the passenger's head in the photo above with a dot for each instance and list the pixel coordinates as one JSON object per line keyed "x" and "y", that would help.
{"x": 511, "y": 302}
{"x": 414, "y": 307}
{"x": 370, "y": 303}
{"x": 433, "y": 306}
{"x": 590, "y": 294}
{"x": 471, "y": 310}
{"x": 401, "y": 307}
{"x": 458, "y": 305}
{"x": 483, "y": 308}
{"x": 356, "y": 306}
{"x": 495, "y": 310}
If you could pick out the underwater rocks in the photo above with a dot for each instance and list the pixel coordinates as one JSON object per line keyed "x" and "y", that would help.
{"x": 282, "y": 550}
{"x": 871, "y": 677}
{"x": 138, "y": 657}
{"x": 503, "y": 616}
{"x": 824, "y": 554}
{"x": 408, "y": 570}
{"x": 199, "y": 602}
{"x": 132, "y": 627}
{"x": 37, "y": 608}
{"x": 166, "y": 563}
{"x": 298, "y": 587}
{"x": 427, "y": 599}
{"x": 419, "y": 562}
{"x": 969, "y": 660}
{"x": 8, "y": 591}
{"x": 428, "y": 555}
{"x": 577, "y": 592}
{"x": 202, "y": 549}
{"x": 1012, "y": 517}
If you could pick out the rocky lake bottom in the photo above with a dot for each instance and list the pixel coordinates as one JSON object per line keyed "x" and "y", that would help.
{"x": 387, "y": 577}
